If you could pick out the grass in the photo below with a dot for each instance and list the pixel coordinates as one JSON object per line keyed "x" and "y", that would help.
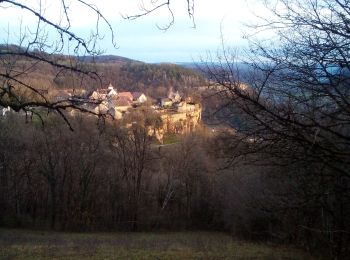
{"x": 170, "y": 138}
{"x": 24, "y": 244}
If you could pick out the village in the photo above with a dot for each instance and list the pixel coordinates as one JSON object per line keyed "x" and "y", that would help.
{"x": 163, "y": 129}
{"x": 178, "y": 115}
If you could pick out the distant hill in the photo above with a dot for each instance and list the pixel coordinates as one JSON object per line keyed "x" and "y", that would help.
{"x": 125, "y": 74}
{"x": 107, "y": 59}
{"x": 98, "y": 59}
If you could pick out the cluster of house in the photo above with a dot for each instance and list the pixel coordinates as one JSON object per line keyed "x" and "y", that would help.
{"x": 175, "y": 103}
{"x": 172, "y": 99}
{"x": 177, "y": 114}
{"x": 115, "y": 103}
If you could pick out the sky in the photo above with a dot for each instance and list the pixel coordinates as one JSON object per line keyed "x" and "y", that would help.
{"x": 141, "y": 39}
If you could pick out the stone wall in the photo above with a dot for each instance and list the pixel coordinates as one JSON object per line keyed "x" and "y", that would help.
{"x": 181, "y": 122}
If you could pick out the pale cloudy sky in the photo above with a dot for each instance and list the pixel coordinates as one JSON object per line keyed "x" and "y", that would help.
{"x": 141, "y": 39}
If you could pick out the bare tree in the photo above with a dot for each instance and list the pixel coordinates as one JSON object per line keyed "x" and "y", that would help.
{"x": 149, "y": 7}
{"x": 51, "y": 41}
{"x": 54, "y": 42}
{"x": 294, "y": 95}
{"x": 131, "y": 146}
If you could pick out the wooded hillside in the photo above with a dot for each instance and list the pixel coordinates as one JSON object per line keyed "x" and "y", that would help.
{"x": 125, "y": 74}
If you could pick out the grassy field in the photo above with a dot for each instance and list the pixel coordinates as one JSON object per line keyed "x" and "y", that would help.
{"x": 170, "y": 138}
{"x": 24, "y": 244}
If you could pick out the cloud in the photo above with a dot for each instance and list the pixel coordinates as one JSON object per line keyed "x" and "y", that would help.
{"x": 141, "y": 39}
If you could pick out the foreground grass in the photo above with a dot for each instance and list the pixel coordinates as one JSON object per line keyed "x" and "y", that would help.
{"x": 23, "y": 244}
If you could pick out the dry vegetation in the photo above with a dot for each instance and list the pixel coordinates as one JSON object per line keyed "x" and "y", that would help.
{"x": 23, "y": 244}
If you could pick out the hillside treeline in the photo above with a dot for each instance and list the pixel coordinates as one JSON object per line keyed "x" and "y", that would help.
{"x": 101, "y": 177}
{"x": 152, "y": 79}
{"x": 156, "y": 80}
{"x": 107, "y": 177}
{"x": 56, "y": 72}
